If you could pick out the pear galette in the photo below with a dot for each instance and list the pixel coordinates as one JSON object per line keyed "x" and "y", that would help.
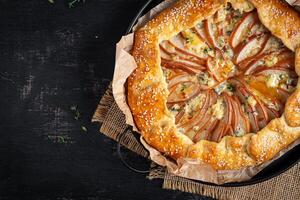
{"x": 217, "y": 81}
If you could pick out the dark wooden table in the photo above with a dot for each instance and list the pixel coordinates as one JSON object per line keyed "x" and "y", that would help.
{"x": 52, "y": 59}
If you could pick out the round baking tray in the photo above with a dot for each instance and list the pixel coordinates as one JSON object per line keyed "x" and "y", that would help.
{"x": 277, "y": 167}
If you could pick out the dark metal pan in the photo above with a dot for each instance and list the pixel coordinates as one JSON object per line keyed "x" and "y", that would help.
{"x": 277, "y": 167}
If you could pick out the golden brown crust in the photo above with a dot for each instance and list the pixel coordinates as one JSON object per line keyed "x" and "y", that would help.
{"x": 229, "y": 153}
{"x": 276, "y": 136}
{"x": 147, "y": 89}
{"x": 292, "y": 108}
{"x": 282, "y": 20}
{"x": 297, "y": 60}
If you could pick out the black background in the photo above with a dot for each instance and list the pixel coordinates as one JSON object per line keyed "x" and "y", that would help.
{"x": 53, "y": 57}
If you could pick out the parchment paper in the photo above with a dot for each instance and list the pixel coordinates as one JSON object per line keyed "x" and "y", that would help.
{"x": 294, "y": 2}
{"x": 184, "y": 167}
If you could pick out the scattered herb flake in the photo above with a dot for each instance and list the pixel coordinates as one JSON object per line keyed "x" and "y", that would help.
{"x": 231, "y": 88}
{"x": 59, "y": 139}
{"x": 207, "y": 49}
{"x": 77, "y": 115}
{"x": 73, "y": 2}
{"x": 74, "y": 107}
{"x": 189, "y": 39}
{"x": 83, "y": 128}
{"x": 51, "y": 1}
{"x": 175, "y": 109}
{"x": 76, "y": 112}
{"x": 183, "y": 87}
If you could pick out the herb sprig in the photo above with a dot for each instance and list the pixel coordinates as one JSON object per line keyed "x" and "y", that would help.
{"x": 71, "y": 3}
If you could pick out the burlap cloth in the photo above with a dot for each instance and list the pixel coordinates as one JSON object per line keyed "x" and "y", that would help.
{"x": 112, "y": 120}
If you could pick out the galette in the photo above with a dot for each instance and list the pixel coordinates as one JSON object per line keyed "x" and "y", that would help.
{"x": 216, "y": 81}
